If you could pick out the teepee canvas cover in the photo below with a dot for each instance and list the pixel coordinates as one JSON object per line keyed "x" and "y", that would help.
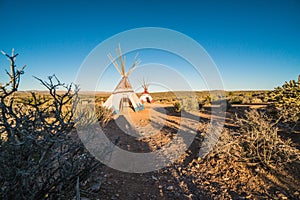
{"x": 146, "y": 97}
{"x": 123, "y": 95}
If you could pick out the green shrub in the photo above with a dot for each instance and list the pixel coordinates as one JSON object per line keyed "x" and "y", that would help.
{"x": 286, "y": 101}
{"x": 236, "y": 100}
{"x": 186, "y": 104}
{"x": 208, "y": 99}
{"x": 85, "y": 115}
{"x": 177, "y": 106}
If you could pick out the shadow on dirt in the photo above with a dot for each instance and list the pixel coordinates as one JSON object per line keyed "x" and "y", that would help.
{"x": 188, "y": 177}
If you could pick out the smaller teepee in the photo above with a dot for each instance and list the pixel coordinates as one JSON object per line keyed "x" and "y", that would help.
{"x": 123, "y": 95}
{"x": 146, "y": 97}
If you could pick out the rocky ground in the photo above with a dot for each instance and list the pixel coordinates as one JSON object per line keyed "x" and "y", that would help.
{"x": 188, "y": 177}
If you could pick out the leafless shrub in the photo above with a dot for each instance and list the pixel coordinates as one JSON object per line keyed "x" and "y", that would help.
{"x": 222, "y": 143}
{"x": 260, "y": 142}
{"x": 257, "y": 143}
{"x": 241, "y": 160}
{"x": 41, "y": 156}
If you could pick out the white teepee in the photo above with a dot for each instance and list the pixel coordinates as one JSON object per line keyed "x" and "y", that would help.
{"x": 123, "y": 95}
{"x": 146, "y": 97}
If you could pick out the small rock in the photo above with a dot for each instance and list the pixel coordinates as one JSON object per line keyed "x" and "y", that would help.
{"x": 154, "y": 178}
{"x": 160, "y": 186}
{"x": 170, "y": 188}
{"x": 96, "y": 187}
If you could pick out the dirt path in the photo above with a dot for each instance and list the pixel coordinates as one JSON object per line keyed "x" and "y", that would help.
{"x": 142, "y": 132}
{"x": 155, "y": 129}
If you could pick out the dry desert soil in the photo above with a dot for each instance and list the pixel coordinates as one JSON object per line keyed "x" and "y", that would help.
{"x": 188, "y": 176}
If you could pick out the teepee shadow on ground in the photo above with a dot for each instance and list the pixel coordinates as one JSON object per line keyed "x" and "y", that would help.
{"x": 121, "y": 130}
{"x": 159, "y": 184}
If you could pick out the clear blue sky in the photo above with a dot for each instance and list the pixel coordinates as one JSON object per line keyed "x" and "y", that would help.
{"x": 255, "y": 44}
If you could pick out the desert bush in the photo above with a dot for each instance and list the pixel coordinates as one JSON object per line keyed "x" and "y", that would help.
{"x": 177, "y": 106}
{"x": 89, "y": 114}
{"x": 85, "y": 115}
{"x": 256, "y": 100}
{"x": 208, "y": 99}
{"x": 186, "y": 104}
{"x": 236, "y": 100}
{"x": 104, "y": 115}
{"x": 286, "y": 101}
{"x": 260, "y": 143}
{"x": 200, "y": 104}
{"x": 215, "y": 140}
{"x": 41, "y": 155}
{"x": 257, "y": 143}
{"x": 230, "y": 166}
